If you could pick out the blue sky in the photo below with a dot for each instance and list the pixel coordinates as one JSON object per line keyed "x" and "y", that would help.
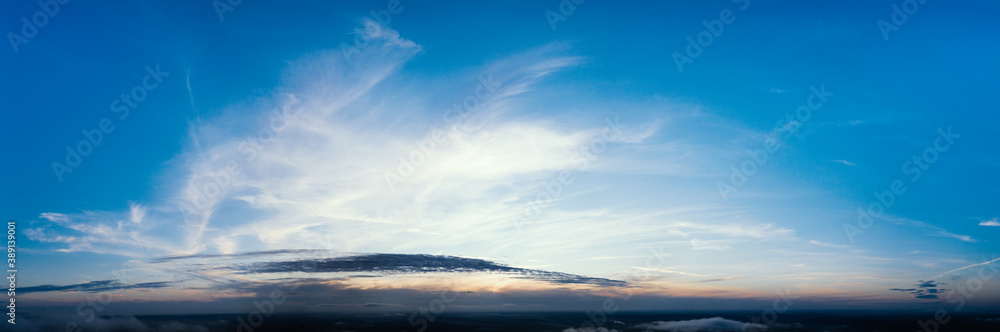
{"x": 603, "y": 86}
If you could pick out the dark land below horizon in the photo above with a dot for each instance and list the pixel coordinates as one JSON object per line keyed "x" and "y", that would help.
{"x": 811, "y": 320}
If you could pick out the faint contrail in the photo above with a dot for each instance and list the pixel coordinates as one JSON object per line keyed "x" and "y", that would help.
{"x": 966, "y": 267}
{"x": 190, "y": 94}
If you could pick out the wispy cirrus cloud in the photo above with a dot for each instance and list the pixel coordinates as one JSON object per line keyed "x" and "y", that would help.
{"x": 307, "y": 166}
{"x": 706, "y": 245}
{"x": 118, "y": 233}
{"x": 828, "y": 245}
{"x": 720, "y": 279}
{"x": 934, "y": 230}
{"x": 325, "y": 170}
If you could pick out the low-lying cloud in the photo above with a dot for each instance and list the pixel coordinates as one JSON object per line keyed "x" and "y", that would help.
{"x": 713, "y": 324}
{"x": 697, "y": 325}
